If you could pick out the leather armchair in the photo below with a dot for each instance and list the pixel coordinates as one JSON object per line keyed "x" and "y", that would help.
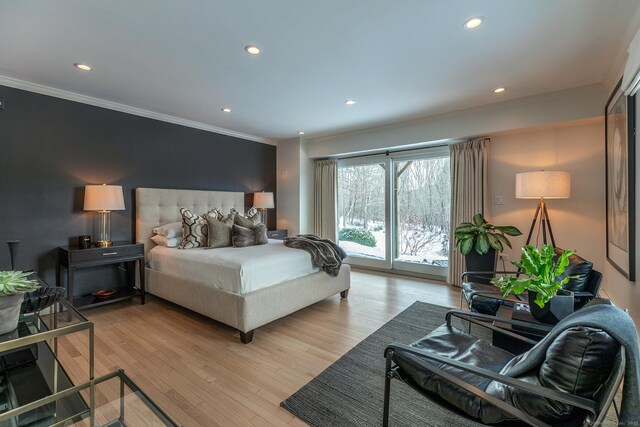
{"x": 574, "y": 387}
{"x": 483, "y": 297}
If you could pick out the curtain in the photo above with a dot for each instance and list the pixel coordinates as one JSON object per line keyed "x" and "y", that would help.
{"x": 325, "y": 186}
{"x": 469, "y": 194}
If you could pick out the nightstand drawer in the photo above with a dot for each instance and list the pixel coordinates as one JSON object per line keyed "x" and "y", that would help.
{"x": 277, "y": 234}
{"x": 98, "y": 254}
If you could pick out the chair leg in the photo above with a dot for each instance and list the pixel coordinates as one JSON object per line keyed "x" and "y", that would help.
{"x": 387, "y": 390}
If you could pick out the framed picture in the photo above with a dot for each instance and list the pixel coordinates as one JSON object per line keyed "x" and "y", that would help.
{"x": 620, "y": 181}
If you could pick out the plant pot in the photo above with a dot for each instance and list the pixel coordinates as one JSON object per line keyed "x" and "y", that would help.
{"x": 558, "y": 307}
{"x": 476, "y": 262}
{"x": 10, "y": 312}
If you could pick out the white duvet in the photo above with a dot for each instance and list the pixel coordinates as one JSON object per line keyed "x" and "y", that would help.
{"x": 237, "y": 270}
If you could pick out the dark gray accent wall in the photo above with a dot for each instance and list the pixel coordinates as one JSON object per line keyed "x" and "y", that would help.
{"x": 51, "y": 148}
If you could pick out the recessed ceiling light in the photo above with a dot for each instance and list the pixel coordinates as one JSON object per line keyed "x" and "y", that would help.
{"x": 499, "y": 90}
{"x": 83, "y": 67}
{"x": 226, "y": 110}
{"x": 473, "y": 22}
{"x": 301, "y": 132}
{"x": 252, "y": 49}
{"x": 350, "y": 101}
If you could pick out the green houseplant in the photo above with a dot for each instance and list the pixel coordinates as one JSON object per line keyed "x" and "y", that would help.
{"x": 479, "y": 242}
{"x": 544, "y": 279}
{"x": 482, "y": 236}
{"x": 13, "y": 286}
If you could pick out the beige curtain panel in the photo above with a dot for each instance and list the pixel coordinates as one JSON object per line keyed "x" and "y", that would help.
{"x": 469, "y": 194}
{"x": 325, "y": 194}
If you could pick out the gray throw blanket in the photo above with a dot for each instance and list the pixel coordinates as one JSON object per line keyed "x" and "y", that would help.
{"x": 616, "y": 323}
{"x": 325, "y": 254}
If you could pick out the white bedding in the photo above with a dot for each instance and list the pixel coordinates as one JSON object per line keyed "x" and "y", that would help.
{"x": 237, "y": 270}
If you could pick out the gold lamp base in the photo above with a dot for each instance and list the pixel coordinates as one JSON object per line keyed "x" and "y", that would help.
{"x": 104, "y": 243}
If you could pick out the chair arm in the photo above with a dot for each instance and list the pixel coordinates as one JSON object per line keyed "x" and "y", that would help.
{"x": 583, "y": 294}
{"x": 493, "y": 272}
{"x": 494, "y": 295}
{"x": 489, "y": 318}
{"x": 487, "y": 325}
{"x": 533, "y": 389}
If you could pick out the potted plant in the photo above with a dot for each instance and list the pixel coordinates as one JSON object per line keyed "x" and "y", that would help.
{"x": 13, "y": 286}
{"x": 480, "y": 242}
{"x": 548, "y": 302}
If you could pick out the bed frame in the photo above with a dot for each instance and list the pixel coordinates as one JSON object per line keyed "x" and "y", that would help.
{"x": 244, "y": 312}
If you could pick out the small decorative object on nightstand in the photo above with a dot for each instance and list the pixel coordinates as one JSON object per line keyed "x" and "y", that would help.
{"x": 73, "y": 258}
{"x": 277, "y": 234}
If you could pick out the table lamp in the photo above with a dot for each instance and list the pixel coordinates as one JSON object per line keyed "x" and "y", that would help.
{"x": 103, "y": 199}
{"x": 543, "y": 185}
{"x": 263, "y": 201}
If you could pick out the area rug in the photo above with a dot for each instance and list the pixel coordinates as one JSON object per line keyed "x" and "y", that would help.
{"x": 350, "y": 392}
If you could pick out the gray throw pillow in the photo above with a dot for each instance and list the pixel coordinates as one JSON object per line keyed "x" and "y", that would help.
{"x": 242, "y": 221}
{"x": 252, "y": 214}
{"x": 219, "y": 230}
{"x": 245, "y": 236}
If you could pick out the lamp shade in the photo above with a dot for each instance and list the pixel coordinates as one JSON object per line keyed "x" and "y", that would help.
{"x": 263, "y": 200}
{"x": 547, "y": 184}
{"x": 103, "y": 198}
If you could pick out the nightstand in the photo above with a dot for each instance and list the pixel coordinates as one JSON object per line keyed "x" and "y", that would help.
{"x": 73, "y": 258}
{"x": 277, "y": 234}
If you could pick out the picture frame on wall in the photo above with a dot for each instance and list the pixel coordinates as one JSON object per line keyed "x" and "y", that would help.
{"x": 620, "y": 181}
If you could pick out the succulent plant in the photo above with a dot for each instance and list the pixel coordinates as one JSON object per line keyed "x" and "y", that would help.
{"x": 16, "y": 282}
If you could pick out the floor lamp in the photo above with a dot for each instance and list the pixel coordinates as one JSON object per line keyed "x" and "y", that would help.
{"x": 543, "y": 185}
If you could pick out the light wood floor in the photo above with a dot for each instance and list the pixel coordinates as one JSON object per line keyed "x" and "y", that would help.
{"x": 197, "y": 370}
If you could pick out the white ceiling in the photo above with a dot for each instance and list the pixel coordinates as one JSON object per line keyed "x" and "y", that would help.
{"x": 400, "y": 59}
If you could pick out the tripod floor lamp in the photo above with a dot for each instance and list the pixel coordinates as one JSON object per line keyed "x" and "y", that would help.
{"x": 543, "y": 185}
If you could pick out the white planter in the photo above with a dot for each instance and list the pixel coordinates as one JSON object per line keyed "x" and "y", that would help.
{"x": 10, "y": 312}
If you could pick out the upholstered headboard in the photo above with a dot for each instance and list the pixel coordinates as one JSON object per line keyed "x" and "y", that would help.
{"x": 158, "y": 206}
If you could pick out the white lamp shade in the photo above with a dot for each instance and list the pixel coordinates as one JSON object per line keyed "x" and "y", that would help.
{"x": 547, "y": 184}
{"x": 263, "y": 200}
{"x": 103, "y": 198}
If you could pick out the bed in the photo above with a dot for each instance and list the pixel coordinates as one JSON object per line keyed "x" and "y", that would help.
{"x": 244, "y": 288}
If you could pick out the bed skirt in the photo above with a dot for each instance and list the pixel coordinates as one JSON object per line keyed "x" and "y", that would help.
{"x": 252, "y": 310}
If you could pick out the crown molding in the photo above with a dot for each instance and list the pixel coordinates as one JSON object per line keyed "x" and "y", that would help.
{"x": 97, "y": 102}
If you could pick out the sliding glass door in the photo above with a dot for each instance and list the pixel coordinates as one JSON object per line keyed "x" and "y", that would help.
{"x": 393, "y": 211}
{"x": 362, "y": 211}
{"x": 421, "y": 215}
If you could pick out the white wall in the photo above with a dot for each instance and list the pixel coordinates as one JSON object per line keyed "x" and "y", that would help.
{"x": 295, "y": 173}
{"x": 577, "y": 222}
{"x": 288, "y": 185}
{"x": 624, "y": 293}
{"x": 550, "y": 108}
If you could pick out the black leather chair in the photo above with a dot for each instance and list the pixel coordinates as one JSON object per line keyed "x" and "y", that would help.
{"x": 483, "y": 297}
{"x": 574, "y": 385}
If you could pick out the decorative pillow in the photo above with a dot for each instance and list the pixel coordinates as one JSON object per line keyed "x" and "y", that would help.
{"x": 244, "y": 236}
{"x": 194, "y": 230}
{"x": 252, "y": 214}
{"x": 219, "y": 230}
{"x": 171, "y": 242}
{"x": 173, "y": 229}
{"x": 242, "y": 221}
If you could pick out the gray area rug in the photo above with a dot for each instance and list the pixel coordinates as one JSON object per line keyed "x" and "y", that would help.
{"x": 350, "y": 392}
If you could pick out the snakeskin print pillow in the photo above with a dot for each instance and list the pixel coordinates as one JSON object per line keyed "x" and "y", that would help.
{"x": 194, "y": 230}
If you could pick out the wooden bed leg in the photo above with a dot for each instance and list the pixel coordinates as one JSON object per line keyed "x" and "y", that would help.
{"x": 344, "y": 294}
{"x": 246, "y": 337}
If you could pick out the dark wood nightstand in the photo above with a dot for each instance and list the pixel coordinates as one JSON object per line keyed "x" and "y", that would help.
{"x": 277, "y": 234}
{"x": 73, "y": 258}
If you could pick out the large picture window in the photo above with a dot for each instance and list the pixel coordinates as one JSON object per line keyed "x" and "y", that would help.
{"x": 393, "y": 211}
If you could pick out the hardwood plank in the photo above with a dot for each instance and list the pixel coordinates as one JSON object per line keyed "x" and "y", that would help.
{"x": 197, "y": 370}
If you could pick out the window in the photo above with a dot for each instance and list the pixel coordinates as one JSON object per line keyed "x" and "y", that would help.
{"x": 393, "y": 211}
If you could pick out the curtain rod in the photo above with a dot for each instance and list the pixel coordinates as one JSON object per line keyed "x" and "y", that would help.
{"x": 388, "y": 152}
